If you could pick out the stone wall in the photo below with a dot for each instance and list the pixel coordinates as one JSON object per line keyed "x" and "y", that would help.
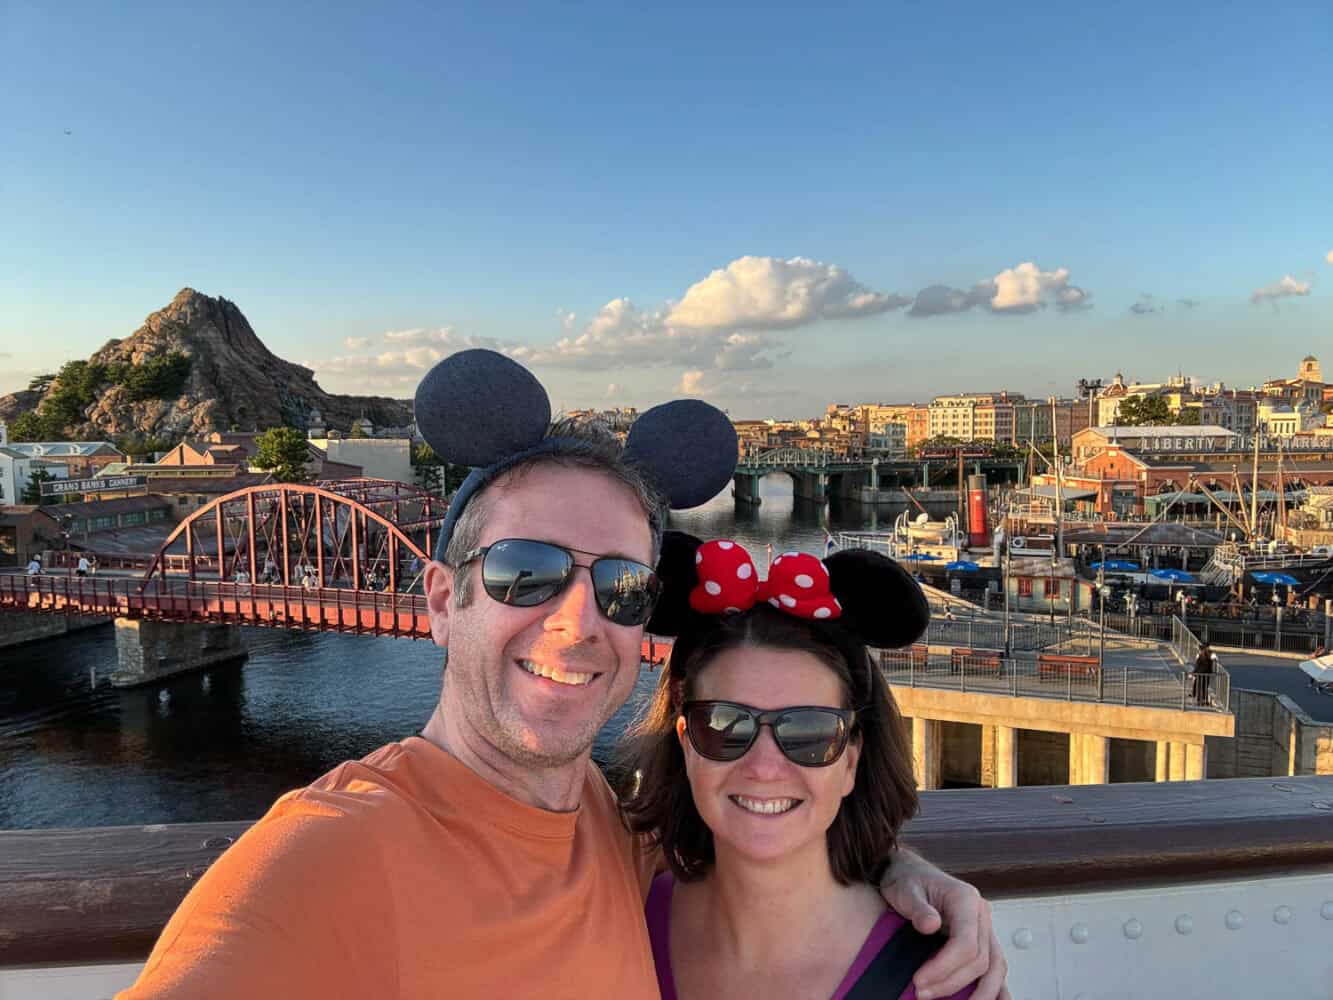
{"x": 960, "y": 760}
{"x": 1043, "y": 757}
{"x": 147, "y": 651}
{"x": 16, "y": 628}
{"x": 1274, "y": 737}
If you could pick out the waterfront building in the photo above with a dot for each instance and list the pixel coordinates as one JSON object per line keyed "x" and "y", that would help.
{"x": 1279, "y": 418}
{"x": 25, "y": 530}
{"x": 1153, "y": 438}
{"x": 81, "y": 459}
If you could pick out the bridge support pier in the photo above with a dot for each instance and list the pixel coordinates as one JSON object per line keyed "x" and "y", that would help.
{"x": 746, "y": 489}
{"x": 927, "y": 751}
{"x": 148, "y": 651}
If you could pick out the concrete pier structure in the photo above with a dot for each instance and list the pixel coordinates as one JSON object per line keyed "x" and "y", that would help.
{"x": 17, "y": 628}
{"x": 148, "y": 651}
{"x": 970, "y": 739}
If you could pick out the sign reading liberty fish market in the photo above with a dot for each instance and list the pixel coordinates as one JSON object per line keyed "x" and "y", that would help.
{"x": 61, "y": 487}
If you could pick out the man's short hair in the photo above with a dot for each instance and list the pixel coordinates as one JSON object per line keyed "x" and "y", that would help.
{"x": 571, "y": 444}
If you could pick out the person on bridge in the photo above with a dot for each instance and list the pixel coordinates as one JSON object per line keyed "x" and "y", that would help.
{"x": 84, "y": 566}
{"x": 34, "y": 565}
{"x": 489, "y": 855}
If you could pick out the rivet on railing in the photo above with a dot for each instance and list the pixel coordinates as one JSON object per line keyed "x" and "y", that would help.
{"x": 1235, "y": 920}
{"x": 1184, "y": 924}
{"x": 1023, "y": 939}
{"x": 1133, "y": 929}
{"x": 1079, "y": 934}
{"x": 1282, "y": 915}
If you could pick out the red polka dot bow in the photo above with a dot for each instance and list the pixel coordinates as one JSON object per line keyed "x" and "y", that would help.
{"x": 728, "y": 583}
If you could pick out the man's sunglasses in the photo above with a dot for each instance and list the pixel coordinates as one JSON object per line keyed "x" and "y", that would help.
{"x": 808, "y": 735}
{"x": 525, "y": 573}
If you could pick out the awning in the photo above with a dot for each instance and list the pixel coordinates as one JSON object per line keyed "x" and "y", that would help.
{"x": 1066, "y": 493}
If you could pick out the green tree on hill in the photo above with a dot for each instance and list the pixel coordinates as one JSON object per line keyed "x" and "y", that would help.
{"x": 284, "y": 452}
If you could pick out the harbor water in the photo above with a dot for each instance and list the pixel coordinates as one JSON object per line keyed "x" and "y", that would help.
{"x": 222, "y": 744}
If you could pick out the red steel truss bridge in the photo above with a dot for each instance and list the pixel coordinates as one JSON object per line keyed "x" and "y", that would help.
{"x": 342, "y": 556}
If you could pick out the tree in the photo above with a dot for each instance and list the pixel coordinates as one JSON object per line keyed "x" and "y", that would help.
{"x": 284, "y": 452}
{"x": 42, "y": 382}
{"x": 434, "y": 475}
{"x": 1140, "y": 411}
{"x": 32, "y": 426}
{"x": 32, "y": 492}
{"x": 1190, "y": 416}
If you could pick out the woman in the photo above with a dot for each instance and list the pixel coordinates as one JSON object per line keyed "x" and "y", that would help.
{"x": 775, "y": 774}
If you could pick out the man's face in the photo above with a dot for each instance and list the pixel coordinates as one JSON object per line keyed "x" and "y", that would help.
{"x": 538, "y": 683}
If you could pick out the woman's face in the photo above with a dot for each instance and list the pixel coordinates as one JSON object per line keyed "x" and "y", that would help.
{"x": 763, "y": 806}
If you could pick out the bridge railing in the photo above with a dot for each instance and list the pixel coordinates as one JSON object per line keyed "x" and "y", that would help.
{"x": 225, "y": 602}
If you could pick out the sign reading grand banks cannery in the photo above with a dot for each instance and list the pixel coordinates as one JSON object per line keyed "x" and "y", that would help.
{"x": 60, "y": 487}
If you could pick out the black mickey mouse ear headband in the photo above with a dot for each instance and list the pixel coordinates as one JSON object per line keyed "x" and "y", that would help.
{"x": 863, "y": 592}
{"x": 482, "y": 409}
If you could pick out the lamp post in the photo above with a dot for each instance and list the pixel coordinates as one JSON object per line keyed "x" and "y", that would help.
{"x": 1277, "y": 615}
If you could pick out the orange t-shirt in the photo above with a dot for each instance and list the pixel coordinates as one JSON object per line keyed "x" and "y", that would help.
{"x": 405, "y": 874}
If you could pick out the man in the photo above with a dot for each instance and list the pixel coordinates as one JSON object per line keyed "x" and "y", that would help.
{"x": 487, "y": 857}
{"x": 1205, "y": 665}
{"x": 34, "y": 565}
{"x": 82, "y": 568}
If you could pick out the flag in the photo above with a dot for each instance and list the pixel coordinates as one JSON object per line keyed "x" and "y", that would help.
{"x": 829, "y": 545}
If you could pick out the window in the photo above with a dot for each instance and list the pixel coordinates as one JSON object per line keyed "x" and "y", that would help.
{"x": 1050, "y": 588}
{"x": 1024, "y": 586}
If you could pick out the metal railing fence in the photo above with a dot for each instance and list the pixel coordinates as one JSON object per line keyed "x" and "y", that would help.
{"x": 1054, "y": 676}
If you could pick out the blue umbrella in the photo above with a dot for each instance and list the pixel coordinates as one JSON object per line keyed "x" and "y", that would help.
{"x": 962, "y": 566}
{"x": 1174, "y": 575}
{"x": 920, "y": 557}
{"x": 1283, "y": 578}
{"x": 1117, "y": 565}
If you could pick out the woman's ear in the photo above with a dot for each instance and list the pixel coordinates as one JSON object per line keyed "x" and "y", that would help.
{"x": 680, "y": 730}
{"x": 853, "y": 757}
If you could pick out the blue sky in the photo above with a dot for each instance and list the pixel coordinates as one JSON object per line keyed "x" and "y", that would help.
{"x": 855, "y": 202}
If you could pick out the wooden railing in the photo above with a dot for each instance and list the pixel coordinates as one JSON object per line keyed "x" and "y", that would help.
{"x": 103, "y": 894}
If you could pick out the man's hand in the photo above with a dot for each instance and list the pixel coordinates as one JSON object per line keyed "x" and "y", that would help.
{"x": 930, "y": 899}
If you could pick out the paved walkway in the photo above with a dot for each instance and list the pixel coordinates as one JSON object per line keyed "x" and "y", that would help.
{"x": 1256, "y": 672}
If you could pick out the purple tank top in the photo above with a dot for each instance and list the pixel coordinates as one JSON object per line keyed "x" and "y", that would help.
{"x": 658, "y": 913}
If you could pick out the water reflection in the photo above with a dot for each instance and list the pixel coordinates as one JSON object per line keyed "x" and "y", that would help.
{"x": 222, "y": 745}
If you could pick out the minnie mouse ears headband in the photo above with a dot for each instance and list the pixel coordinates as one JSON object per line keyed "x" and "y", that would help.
{"x": 863, "y": 592}
{"x": 482, "y": 409}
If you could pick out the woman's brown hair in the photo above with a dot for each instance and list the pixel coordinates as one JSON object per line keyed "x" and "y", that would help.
{"x": 658, "y": 801}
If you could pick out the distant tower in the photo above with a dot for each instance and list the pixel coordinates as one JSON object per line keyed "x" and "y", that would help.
{"x": 315, "y": 425}
{"x": 1310, "y": 369}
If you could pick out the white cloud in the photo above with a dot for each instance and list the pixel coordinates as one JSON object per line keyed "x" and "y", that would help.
{"x": 611, "y": 390}
{"x": 726, "y": 321}
{"x": 691, "y": 383}
{"x": 769, "y": 293}
{"x": 1329, "y": 256}
{"x": 1285, "y": 288}
{"x": 1146, "y": 305}
{"x": 1022, "y": 289}
{"x": 356, "y": 343}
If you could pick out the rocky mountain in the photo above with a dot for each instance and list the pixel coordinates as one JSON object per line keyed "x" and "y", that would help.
{"x": 233, "y": 381}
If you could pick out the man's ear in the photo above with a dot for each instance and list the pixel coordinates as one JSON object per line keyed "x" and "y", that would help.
{"x": 439, "y": 586}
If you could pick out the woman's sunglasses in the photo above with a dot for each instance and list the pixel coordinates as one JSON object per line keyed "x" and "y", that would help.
{"x": 525, "y": 573}
{"x": 808, "y": 735}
